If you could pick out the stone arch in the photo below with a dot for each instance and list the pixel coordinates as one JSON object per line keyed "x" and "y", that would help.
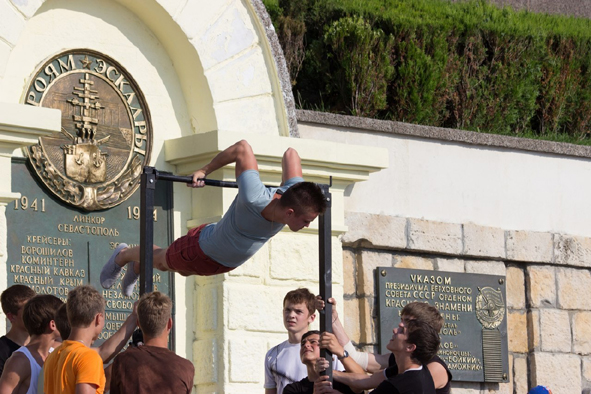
{"x": 227, "y": 69}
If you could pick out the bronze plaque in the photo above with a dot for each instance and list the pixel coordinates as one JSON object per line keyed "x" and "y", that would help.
{"x": 53, "y": 248}
{"x": 95, "y": 162}
{"x": 474, "y": 336}
{"x": 78, "y": 187}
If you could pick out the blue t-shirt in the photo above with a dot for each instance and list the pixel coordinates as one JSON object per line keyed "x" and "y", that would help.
{"x": 243, "y": 230}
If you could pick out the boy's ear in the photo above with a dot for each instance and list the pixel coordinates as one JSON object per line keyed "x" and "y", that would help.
{"x": 10, "y": 317}
{"x": 97, "y": 318}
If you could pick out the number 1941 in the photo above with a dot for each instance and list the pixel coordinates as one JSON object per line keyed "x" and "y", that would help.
{"x": 24, "y": 204}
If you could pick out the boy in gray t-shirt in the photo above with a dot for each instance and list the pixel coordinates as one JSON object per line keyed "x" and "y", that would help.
{"x": 255, "y": 216}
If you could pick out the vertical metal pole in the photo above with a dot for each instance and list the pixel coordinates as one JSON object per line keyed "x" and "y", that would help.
{"x": 147, "y": 190}
{"x": 324, "y": 240}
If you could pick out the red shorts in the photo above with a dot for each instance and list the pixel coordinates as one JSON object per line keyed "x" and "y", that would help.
{"x": 186, "y": 257}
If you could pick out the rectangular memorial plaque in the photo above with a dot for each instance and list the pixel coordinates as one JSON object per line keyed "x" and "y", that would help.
{"x": 474, "y": 336}
{"x": 53, "y": 248}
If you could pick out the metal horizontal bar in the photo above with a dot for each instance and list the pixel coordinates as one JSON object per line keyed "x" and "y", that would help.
{"x": 166, "y": 176}
{"x": 161, "y": 176}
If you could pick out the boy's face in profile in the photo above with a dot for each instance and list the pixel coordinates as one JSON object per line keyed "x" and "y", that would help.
{"x": 298, "y": 222}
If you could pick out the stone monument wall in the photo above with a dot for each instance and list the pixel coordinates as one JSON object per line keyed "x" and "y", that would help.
{"x": 547, "y": 277}
{"x": 457, "y": 201}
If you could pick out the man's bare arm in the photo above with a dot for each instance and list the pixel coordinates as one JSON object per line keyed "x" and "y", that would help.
{"x": 439, "y": 374}
{"x": 371, "y": 362}
{"x": 291, "y": 165}
{"x": 330, "y": 342}
{"x": 270, "y": 391}
{"x": 240, "y": 153}
{"x": 112, "y": 346}
{"x": 16, "y": 369}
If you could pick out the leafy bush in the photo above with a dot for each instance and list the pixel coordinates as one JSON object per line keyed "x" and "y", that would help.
{"x": 360, "y": 65}
{"x": 466, "y": 65}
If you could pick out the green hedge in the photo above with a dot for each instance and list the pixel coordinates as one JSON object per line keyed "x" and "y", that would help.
{"x": 468, "y": 65}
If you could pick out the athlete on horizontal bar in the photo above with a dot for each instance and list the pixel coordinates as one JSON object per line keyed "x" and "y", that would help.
{"x": 255, "y": 216}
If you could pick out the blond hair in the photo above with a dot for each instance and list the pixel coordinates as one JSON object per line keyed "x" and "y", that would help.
{"x": 83, "y": 304}
{"x": 153, "y": 311}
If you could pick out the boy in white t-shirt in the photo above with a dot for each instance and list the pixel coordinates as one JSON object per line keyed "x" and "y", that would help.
{"x": 282, "y": 362}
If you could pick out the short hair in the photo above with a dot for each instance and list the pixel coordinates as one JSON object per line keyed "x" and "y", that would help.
{"x": 304, "y": 197}
{"x": 13, "y": 297}
{"x": 425, "y": 338}
{"x": 62, "y": 323}
{"x": 153, "y": 311}
{"x": 424, "y": 312}
{"x": 83, "y": 304}
{"x": 301, "y": 296}
{"x": 307, "y": 334}
{"x": 39, "y": 312}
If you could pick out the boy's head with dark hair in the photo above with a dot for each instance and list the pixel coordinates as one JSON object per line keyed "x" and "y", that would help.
{"x": 424, "y": 312}
{"x": 83, "y": 304}
{"x": 305, "y": 201}
{"x": 15, "y": 297}
{"x": 425, "y": 338}
{"x": 306, "y": 335}
{"x": 39, "y": 312}
{"x": 13, "y": 302}
{"x": 414, "y": 339}
{"x": 154, "y": 310}
{"x": 62, "y": 323}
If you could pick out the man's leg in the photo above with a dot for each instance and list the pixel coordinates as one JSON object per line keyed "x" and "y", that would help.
{"x": 128, "y": 255}
{"x": 158, "y": 259}
{"x": 133, "y": 267}
{"x": 131, "y": 256}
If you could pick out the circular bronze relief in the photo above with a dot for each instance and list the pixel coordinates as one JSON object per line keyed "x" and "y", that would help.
{"x": 106, "y": 137}
{"x": 490, "y": 308}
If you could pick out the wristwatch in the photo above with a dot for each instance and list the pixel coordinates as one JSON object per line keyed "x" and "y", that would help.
{"x": 345, "y": 355}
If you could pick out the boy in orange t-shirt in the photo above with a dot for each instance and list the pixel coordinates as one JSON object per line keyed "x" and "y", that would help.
{"x": 75, "y": 368}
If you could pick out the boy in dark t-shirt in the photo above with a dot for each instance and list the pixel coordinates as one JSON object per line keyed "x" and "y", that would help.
{"x": 414, "y": 344}
{"x": 378, "y": 363}
{"x": 309, "y": 354}
{"x": 392, "y": 371}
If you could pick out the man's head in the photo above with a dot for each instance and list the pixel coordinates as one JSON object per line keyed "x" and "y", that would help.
{"x": 310, "y": 347}
{"x": 13, "y": 301}
{"x": 423, "y": 312}
{"x": 298, "y": 310}
{"x": 62, "y": 323}
{"x": 415, "y": 339}
{"x": 39, "y": 314}
{"x": 86, "y": 307}
{"x": 302, "y": 202}
{"x": 154, "y": 312}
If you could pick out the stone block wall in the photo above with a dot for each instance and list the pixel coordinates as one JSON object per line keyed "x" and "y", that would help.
{"x": 548, "y": 282}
